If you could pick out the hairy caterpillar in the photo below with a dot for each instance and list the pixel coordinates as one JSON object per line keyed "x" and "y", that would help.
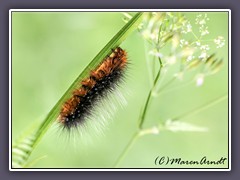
{"x": 101, "y": 81}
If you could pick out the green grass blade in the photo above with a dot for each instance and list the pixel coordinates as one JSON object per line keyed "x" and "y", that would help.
{"x": 112, "y": 44}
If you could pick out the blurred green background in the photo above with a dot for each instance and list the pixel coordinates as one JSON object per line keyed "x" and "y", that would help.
{"x": 50, "y": 49}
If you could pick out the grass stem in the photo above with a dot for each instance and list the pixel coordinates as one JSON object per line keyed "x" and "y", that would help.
{"x": 126, "y": 149}
{"x": 201, "y": 108}
{"x": 142, "y": 117}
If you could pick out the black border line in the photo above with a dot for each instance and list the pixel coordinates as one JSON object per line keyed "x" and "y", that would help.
{"x": 106, "y": 169}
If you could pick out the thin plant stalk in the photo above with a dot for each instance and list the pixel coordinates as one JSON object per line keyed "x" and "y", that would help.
{"x": 161, "y": 91}
{"x": 201, "y": 108}
{"x": 142, "y": 117}
{"x": 165, "y": 85}
{"x": 127, "y": 148}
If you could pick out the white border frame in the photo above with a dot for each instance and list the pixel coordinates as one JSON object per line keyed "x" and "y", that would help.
{"x": 119, "y": 10}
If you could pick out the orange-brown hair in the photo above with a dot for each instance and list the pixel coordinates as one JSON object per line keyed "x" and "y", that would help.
{"x": 114, "y": 63}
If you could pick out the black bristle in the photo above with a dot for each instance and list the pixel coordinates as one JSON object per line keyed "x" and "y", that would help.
{"x": 88, "y": 102}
